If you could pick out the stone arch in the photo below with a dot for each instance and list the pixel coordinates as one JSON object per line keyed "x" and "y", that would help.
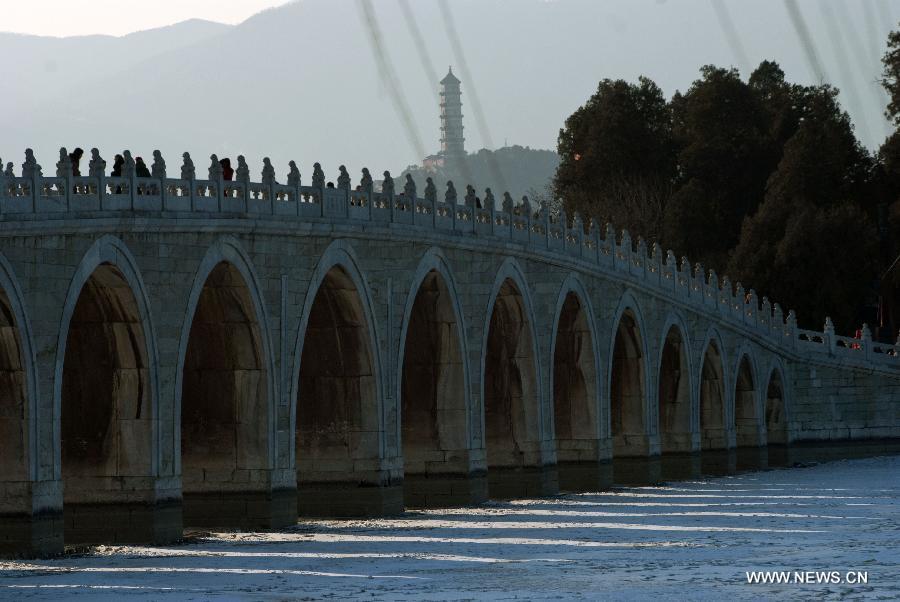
{"x": 747, "y": 425}
{"x": 575, "y": 374}
{"x": 676, "y": 399}
{"x": 19, "y": 420}
{"x": 106, "y": 394}
{"x": 776, "y": 406}
{"x": 713, "y": 408}
{"x": 339, "y": 443}
{"x": 629, "y": 413}
{"x": 435, "y": 426}
{"x": 511, "y": 383}
{"x": 224, "y": 387}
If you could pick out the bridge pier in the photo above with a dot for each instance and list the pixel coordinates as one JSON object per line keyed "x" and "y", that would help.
{"x": 31, "y": 535}
{"x": 31, "y": 519}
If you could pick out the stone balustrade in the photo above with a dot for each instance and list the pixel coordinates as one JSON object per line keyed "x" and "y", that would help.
{"x": 32, "y": 195}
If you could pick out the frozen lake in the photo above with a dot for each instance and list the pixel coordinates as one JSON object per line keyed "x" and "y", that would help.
{"x": 694, "y": 539}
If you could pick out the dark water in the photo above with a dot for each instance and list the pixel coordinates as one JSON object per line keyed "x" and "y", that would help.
{"x": 712, "y": 463}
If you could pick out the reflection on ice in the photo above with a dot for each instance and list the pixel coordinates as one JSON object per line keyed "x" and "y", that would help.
{"x": 148, "y": 552}
{"x": 425, "y": 539}
{"x": 203, "y": 570}
{"x": 434, "y": 523}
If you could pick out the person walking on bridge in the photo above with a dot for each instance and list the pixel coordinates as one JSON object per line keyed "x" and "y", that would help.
{"x": 75, "y": 157}
{"x": 227, "y": 171}
{"x": 140, "y": 168}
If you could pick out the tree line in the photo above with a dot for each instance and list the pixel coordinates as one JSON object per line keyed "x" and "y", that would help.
{"x": 762, "y": 179}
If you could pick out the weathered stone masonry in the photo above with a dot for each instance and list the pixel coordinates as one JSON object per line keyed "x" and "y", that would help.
{"x": 194, "y": 352}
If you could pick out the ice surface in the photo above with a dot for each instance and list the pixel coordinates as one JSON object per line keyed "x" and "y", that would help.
{"x": 691, "y": 540}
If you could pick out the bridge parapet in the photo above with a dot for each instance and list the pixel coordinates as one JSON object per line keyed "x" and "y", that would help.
{"x": 33, "y": 196}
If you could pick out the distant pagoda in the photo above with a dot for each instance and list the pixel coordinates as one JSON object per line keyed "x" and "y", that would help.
{"x": 452, "y": 140}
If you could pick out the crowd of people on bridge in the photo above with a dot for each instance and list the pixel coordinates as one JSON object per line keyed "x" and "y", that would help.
{"x": 125, "y": 166}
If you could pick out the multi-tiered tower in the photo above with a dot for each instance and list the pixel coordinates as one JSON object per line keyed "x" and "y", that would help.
{"x": 452, "y": 141}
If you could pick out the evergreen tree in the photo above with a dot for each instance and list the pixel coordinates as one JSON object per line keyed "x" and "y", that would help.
{"x": 811, "y": 244}
{"x": 617, "y": 156}
{"x": 721, "y": 129}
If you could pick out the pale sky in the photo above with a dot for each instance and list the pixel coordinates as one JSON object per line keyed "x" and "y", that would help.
{"x": 118, "y": 17}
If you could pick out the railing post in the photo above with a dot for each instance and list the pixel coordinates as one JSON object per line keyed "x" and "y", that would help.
{"x": 738, "y": 302}
{"x": 545, "y": 216}
{"x": 714, "y": 288}
{"x": 625, "y": 249}
{"x": 101, "y": 189}
{"x": 867, "y": 341}
{"x": 609, "y": 241}
{"x": 131, "y": 191}
{"x": 764, "y": 318}
{"x": 642, "y": 255}
{"x": 828, "y": 333}
{"x": 778, "y": 322}
{"x": 670, "y": 265}
{"x": 35, "y": 192}
{"x": 67, "y": 184}
{"x": 493, "y": 214}
{"x": 529, "y": 221}
{"x": 791, "y": 326}
{"x": 578, "y": 227}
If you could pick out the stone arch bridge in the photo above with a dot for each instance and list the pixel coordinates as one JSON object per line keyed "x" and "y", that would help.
{"x": 233, "y": 354}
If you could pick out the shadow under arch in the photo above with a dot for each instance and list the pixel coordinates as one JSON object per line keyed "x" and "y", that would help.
{"x": 628, "y": 382}
{"x": 748, "y": 426}
{"x": 575, "y": 384}
{"x": 676, "y": 399}
{"x": 433, "y": 387}
{"x": 511, "y": 389}
{"x": 716, "y": 409}
{"x": 225, "y": 399}
{"x": 776, "y": 407}
{"x": 714, "y": 414}
{"x": 337, "y": 412}
{"x": 106, "y": 399}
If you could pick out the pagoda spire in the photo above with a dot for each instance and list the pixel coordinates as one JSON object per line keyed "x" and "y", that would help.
{"x": 452, "y": 139}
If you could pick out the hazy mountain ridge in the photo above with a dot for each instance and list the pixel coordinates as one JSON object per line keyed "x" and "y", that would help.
{"x": 41, "y": 67}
